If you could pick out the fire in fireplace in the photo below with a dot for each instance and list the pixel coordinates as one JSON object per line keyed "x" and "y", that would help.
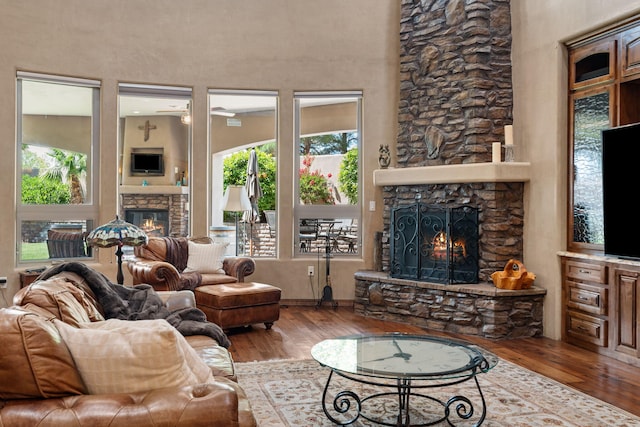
{"x": 155, "y": 222}
{"x": 432, "y": 243}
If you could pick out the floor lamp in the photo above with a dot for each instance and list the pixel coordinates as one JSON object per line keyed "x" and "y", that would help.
{"x": 236, "y": 200}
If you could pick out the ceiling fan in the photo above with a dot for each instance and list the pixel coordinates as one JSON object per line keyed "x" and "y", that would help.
{"x": 216, "y": 111}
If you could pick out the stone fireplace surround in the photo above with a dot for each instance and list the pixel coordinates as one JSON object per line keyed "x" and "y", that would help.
{"x": 473, "y": 309}
{"x": 173, "y": 199}
{"x": 455, "y": 99}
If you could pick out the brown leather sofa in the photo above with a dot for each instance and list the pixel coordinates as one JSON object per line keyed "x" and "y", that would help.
{"x": 41, "y": 385}
{"x": 164, "y": 269}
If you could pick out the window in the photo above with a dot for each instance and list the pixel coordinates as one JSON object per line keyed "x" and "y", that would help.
{"x": 327, "y": 185}
{"x": 243, "y": 129}
{"x": 57, "y": 137}
{"x": 155, "y": 143}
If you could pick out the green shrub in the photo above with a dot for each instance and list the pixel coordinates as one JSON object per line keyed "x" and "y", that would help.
{"x": 40, "y": 190}
{"x": 235, "y": 173}
{"x": 348, "y": 176}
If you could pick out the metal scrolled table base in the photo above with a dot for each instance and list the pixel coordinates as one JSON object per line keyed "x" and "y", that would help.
{"x": 464, "y": 408}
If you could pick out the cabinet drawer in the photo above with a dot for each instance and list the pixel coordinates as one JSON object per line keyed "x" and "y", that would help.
{"x": 589, "y": 298}
{"x": 587, "y": 328}
{"x": 589, "y": 272}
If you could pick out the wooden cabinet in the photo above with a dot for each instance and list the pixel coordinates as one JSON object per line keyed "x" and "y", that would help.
{"x": 625, "y": 303}
{"x": 630, "y": 53}
{"x": 28, "y": 277}
{"x": 604, "y": 92}
{"x": 592, "y": 64}
{"x": 601, "y": 305}
{"x": 585, "y": 296}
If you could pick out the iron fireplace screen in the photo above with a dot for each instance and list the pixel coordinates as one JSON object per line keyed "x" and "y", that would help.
{"x": 432, "y": 243}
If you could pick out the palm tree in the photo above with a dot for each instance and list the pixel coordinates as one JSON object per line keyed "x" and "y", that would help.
{"x": 71, "y": 168}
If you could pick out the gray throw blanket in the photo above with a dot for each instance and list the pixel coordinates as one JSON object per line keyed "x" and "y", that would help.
{"x": 140, "y": 302}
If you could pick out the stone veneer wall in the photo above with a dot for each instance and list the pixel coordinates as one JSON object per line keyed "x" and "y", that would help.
{"x": 176, "y": 204}
{"x": 455, "y": 80}
{"x": 455, "y": 99}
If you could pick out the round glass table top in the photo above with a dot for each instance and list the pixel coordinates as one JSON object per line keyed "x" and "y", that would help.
{"x": 403, "y": 355}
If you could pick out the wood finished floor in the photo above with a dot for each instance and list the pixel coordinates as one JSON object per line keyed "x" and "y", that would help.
{"x": 299, "y": 328}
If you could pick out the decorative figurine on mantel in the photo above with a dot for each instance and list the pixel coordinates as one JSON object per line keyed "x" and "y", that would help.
{"x": 384, "y": 158}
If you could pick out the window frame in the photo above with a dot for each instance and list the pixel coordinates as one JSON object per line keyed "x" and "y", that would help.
{"x": 88, "y": 211}
{"x": 302, "y": 211}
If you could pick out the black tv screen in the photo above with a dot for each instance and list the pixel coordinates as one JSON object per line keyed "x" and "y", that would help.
{"x": 620, "y": 171}
{"x": 147, "y": 164}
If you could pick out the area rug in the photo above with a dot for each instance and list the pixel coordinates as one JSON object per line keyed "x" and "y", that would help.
{"x": 288, "y": 393}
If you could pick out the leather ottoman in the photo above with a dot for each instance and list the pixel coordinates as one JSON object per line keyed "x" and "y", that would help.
{"x": 231, "y": 305}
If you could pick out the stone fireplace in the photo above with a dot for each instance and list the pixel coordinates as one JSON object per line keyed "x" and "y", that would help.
{"x": 455, "y": 99}
{"x": 159, "y": 210}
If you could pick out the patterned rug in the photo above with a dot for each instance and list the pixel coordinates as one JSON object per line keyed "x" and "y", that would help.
{"x": 288, "y": 393}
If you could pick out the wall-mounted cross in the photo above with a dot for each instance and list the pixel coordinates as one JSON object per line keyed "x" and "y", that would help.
{"x": 147, "y": 128}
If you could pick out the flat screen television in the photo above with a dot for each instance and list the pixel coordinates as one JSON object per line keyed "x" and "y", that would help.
{"x": 147, "y": 164}
{"x": 620, "y": 168}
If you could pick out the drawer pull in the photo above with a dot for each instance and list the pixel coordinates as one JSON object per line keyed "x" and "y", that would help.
{"x": 583, "y": 298}
{"x": 584, "y": 271}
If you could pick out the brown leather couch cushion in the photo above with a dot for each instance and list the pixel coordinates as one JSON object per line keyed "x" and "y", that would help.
{"x": 34, "y": 361}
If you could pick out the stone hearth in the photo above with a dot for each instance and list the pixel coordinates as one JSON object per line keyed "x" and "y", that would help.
{"x": 478, "y": 309}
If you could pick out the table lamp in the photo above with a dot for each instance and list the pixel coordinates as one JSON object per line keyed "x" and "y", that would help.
{"x": 236, "y": 200}
{"x": 117, "y": 233}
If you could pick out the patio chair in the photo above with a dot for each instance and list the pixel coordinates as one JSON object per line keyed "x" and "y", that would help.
{"x": 308, "y": 232}
{"x": 270, "y": 216}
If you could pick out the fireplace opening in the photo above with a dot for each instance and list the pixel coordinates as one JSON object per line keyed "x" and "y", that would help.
{"x": 154, "y": 222}
{"x": 432, "y": 243}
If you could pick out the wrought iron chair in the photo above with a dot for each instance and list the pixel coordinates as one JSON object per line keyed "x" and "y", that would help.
{"x": 308, "y": 232}
{"x": 270, "y": 216}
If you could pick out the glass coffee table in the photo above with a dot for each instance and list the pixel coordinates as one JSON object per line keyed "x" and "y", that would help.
{"x": 402, "y": 366}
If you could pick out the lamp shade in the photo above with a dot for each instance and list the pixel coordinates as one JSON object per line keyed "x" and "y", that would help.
{"x": 117, "y": 233}
{"x": 236, "y": 199}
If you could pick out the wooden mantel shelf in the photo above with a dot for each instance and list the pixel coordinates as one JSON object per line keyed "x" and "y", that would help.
{"x": 451, "y": 174}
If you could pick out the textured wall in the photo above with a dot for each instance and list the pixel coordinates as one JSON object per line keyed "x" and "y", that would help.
{"x": 455, "y": 80}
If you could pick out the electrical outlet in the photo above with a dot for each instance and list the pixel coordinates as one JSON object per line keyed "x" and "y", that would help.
{"x": 3, "y": 283}
{"x": 311, "y": 271}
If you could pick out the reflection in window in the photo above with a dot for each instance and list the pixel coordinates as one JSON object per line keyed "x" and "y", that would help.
{"x": 58, "y": 140}
{"x": 328, "y": 178}
{"x": 591, "y": 117}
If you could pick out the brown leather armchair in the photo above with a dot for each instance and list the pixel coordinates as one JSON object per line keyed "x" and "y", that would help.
{"x": 161, "y": 263}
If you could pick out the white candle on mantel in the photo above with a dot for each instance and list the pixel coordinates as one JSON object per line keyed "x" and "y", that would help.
{"x": 496, "y": 152}
{"x": 508, "y": 135}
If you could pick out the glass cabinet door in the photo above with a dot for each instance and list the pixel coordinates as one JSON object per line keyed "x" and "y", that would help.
{"x": 591, "y": 114}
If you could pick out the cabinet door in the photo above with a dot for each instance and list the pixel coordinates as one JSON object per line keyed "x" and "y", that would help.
{"x": 591, "y": 112}
{"x": 630, "y": 52}
{"x": 625, "y": 312}
{"x": 592, "y": 64}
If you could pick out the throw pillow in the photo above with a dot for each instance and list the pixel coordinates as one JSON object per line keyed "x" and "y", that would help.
{"x": 120, "y": 356}
{"x": 206, "y": 258}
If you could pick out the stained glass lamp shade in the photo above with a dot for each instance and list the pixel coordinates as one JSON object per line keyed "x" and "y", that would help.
{"x": 117, "y": 233}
